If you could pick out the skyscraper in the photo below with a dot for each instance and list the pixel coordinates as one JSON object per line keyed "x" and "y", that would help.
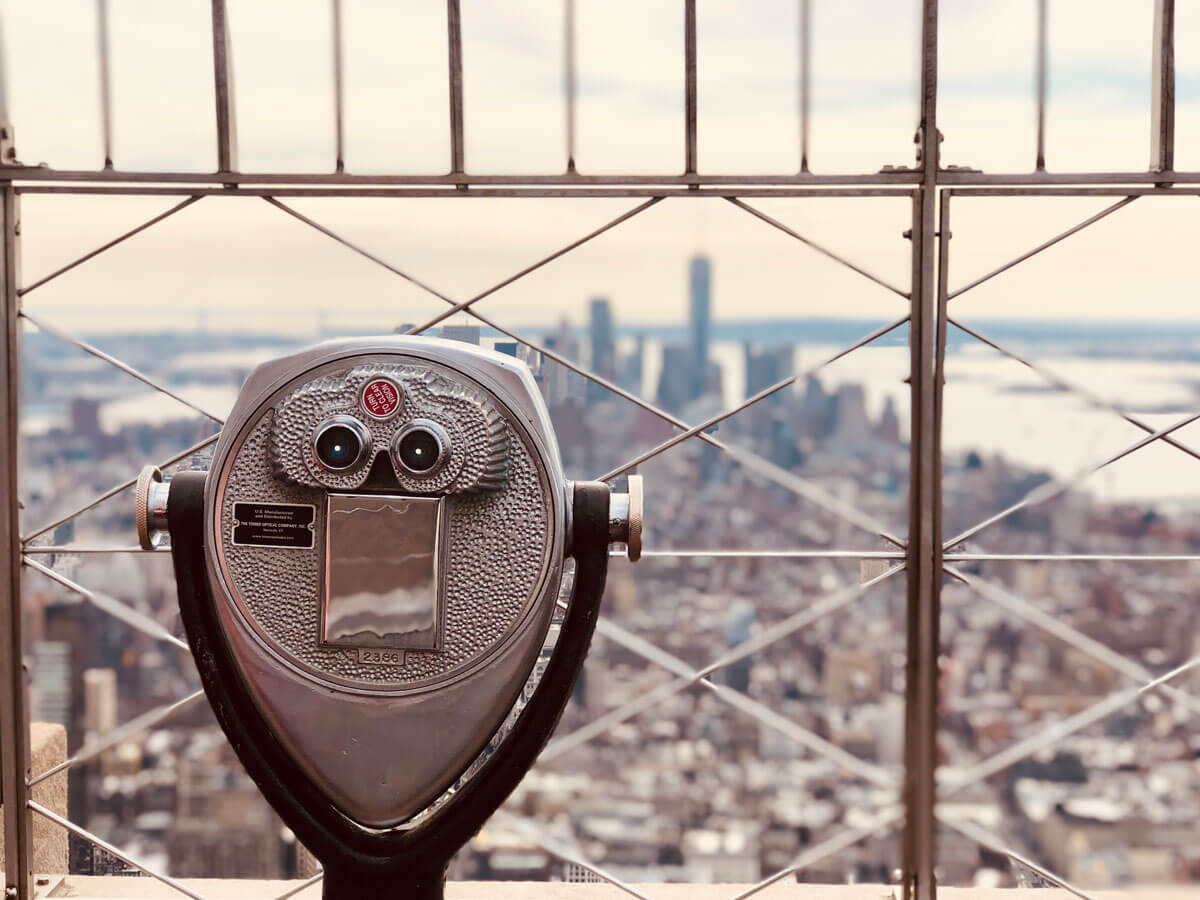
{"x": 468, "y": 334}
{"x": 699, "y": 293}
{"x": 604, "y": 347}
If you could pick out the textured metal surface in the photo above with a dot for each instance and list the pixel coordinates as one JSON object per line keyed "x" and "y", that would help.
{"x": 479, "y": 438}
{"x": 499, "y": 541}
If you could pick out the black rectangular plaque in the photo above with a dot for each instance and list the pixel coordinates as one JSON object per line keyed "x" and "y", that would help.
{"x": 287, "y": 525}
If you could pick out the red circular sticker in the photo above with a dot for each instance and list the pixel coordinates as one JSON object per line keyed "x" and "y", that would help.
{"x": 381, "y": 398}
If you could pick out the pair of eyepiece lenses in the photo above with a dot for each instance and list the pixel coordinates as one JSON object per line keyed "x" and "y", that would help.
{"x": 342, "y": 444}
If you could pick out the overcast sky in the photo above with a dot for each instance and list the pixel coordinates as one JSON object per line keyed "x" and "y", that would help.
{"x": 245, "y": 262}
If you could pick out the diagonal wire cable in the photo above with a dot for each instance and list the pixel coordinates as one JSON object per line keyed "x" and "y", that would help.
{"x": 116, "y": 363}
{"x": 456, "y": 307}
{"x": 134, "y": 726}
{"x": 114, "y": 607}
{"x": 750, "y": 401}
{"x": 1065, "y": 557}
{"x": 532, "y": 833}
{"x": 835, "y": 844}
{"x": 1070, "y": 635}
{"x": 1091, "y": 398}
{"x": 178, "y": 207}
{"x": 982, "y": 836}
{"x": 797, "y": 621}
{"x": 649, "y": 554}
{"x": 306, "y": 883}
{"x": 824, "y": 251}
{"x": 53, "y": 549}
{"x": 748, "y": 705}
{"x": 1107, "y": 211}
{"x": 1051, "y": 489}
{"x": 958, "y": 780}
{"x": 123, "y": 486}
{"x": 109, "y": 848}
{"x": 467, "y": 304}
{"x": 751, "y": 461}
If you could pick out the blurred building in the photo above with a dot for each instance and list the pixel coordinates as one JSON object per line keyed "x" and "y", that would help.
{"x": 699, "y": 323}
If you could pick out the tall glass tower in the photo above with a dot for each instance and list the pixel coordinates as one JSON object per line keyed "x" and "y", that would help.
{"x": 699, "y": 292}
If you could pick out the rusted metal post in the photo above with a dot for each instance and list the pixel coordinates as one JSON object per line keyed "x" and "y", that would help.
{"x": 1162, "y": 109}
{"x": 924, "y": 541}
{"x": 223, "y": 89}
{"x": 689, "y": 86}
{"x": 1041, "y": 83}
{"x": 454, "y": 35}
{"x": 14, "y": 710}
{"x": 569, "y": 78}
{"x": 339, "y": 91}
{"x": 805, "y": 77}
{"x": 105, "y": 80}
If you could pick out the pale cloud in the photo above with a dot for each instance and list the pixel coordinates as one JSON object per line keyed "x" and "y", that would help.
{"x": 248, "y": 263}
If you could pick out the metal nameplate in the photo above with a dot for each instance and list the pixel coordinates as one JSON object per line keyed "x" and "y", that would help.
{"x": 286, "y": 526}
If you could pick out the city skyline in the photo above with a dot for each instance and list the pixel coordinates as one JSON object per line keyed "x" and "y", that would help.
{"x": 917, "y": 599}
{"x": 1002, "y": 682}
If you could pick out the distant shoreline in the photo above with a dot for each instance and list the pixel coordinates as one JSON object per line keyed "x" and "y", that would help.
{"x": 1160, "y": 339}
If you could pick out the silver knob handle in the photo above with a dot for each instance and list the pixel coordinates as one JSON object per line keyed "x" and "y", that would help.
{"x": 150, "y": 507}
{"x": 625, "y": 518}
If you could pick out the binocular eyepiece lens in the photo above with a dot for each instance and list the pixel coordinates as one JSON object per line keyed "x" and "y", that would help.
{"x": 340, "y": 443}
{"x": 421, "y": 447}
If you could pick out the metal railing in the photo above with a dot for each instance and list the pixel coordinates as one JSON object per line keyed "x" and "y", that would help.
{"x": 925, "y": 555}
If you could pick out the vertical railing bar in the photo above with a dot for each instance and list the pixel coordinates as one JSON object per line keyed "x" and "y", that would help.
{"x": 569, "y": 76}
{"x": 6, "y": 135}
{"x": 1042, "y": 25}
{"x": 14, "y": 698}
{"x": 102, "y": 37}
{"x": 223, "y": 89}
{"x": 689, "y": 100}
{"x": 1162, "y": 111}
{"x": 934, "y": 624}
{"x": 454, "y": 29}
{"x": 805, "y": 77}
{"x": 339, "y": 93}
{"x": 924, "y": 569}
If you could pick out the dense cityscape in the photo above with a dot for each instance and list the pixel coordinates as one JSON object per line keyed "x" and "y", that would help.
{"x": 694, "y": 787}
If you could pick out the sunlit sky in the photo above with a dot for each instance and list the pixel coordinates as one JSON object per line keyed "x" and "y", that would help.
{"x": 247, "y": 264}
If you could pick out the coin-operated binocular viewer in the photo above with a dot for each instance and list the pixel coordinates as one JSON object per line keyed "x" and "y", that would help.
{"x": 367, "y": 575}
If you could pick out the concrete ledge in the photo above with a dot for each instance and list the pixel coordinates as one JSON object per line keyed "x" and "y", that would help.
{"x": 109, "y": 888}
{"x": 48, "y": 747}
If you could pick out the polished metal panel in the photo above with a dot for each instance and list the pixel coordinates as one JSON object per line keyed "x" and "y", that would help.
{"x": 383, "y": 572}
